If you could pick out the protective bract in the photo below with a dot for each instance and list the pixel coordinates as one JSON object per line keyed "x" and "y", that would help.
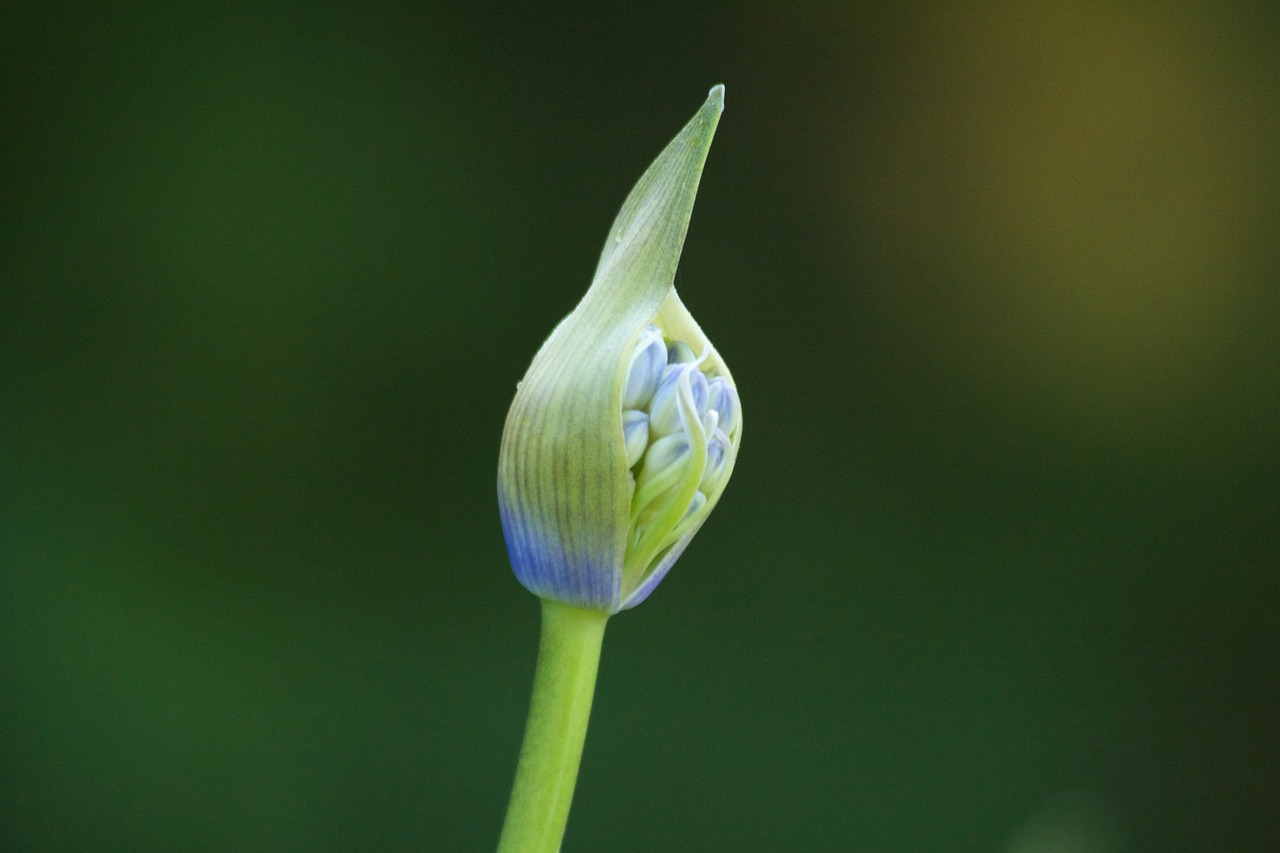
{"x": 625, "y": 428}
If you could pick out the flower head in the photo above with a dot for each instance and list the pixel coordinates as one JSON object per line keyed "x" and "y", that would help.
{"x": 626, "y": 426}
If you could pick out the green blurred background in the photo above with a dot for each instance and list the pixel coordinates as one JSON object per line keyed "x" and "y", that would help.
{"x": 998, "y": 566}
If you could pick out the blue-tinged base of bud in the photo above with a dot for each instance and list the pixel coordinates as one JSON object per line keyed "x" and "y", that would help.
{"x": 543, "y": 567}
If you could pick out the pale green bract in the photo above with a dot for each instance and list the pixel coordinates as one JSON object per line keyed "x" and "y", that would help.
{"x": 627, "y": 424}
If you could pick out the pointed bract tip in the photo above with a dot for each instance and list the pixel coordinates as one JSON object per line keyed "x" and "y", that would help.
{"x": 716, "y": 95}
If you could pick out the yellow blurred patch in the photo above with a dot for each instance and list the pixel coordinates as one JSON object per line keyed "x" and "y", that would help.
{"x": 1061, "y": 196}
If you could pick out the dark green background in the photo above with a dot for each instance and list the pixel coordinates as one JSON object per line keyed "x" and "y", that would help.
{"x": 998, "y": 565}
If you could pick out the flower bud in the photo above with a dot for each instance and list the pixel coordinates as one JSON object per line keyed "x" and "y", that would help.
{"x": 664, "y": 411}
{"x": 718, "y": 450}
{"x": 645, "y": 370}
{"x": 635, "y": 434}
{"x": 722, "y": 399}
{"x": 680, "y": 353}
{"x": 626, "y": 426}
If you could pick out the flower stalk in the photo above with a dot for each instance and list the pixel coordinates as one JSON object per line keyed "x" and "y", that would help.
{"x": 563, "y": 686}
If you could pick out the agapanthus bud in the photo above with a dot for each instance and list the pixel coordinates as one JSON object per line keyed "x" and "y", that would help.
{"x": 635, "y": 434}
{"x": 625, "y": 429}
{"x": 664, "y": 411}
{"x": 723, "y": 400}
{"x": 680, "y": 353}
{"x": 644, "y": 372}
{"x": 718, "y": 450}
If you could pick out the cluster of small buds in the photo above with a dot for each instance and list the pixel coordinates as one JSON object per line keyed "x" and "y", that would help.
{"x": 677, "y": 424}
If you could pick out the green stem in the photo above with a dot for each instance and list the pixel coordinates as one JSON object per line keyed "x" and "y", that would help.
{"x": 568, "y": 657}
